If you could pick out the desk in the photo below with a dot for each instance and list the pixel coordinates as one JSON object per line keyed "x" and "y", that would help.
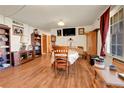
{"x": 110, "y": 78}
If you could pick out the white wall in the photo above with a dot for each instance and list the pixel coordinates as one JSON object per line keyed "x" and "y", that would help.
{"x": 78, "y": 40}
{"x": 99, "y": 43}
{"x": 15, "y": 40}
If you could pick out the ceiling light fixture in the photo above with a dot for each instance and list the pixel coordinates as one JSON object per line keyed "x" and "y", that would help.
{"x": 61, "y": 23}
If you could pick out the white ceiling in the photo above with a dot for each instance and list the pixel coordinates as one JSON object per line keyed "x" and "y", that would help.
{"x": 46, "y": 16}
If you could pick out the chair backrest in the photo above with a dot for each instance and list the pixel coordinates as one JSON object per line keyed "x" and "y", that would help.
{"x": 81, "y": 47}
{"x": 80, "y": 50}
{"x": 60, "y": 52}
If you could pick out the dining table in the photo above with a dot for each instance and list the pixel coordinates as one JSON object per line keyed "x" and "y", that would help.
{"x": 72, "y": 56}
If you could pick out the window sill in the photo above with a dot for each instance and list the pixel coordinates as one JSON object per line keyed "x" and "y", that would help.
{"x": 116, "y": 57}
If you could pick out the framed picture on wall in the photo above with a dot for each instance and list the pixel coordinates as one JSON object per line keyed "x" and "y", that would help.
{"x": 17, "y": 30}
{"x": 53, "y": 38}
{"x": 81, "y": 31}
{"x": 59, "y": 32}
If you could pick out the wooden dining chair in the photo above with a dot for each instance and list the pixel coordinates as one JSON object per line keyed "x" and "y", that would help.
{"x": 61, "y": 59}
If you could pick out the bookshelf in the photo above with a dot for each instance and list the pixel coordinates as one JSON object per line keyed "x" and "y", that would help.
{"x": 36, "y": 43}
{"x": 5, "y": 53}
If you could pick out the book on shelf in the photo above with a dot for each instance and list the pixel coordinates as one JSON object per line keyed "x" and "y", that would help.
{"x": 4, "y": 46}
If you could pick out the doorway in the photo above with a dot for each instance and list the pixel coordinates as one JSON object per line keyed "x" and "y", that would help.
{"x": 44, "y": 37}
{"x": 49, "y": 44}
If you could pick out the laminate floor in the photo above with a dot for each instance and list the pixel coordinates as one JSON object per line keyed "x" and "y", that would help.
{"x": 39, "y": 74}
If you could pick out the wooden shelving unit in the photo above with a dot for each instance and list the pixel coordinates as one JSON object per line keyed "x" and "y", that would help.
{"x": 36, "y": 43}
{"x": 5, "y": 53}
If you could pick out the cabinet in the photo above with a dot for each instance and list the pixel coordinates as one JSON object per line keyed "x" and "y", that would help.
{"x": 20, "y": 57}
{"x": 5, "y": 53}
{"x": 92, "y": 42}
{"x": 36, "y": 43}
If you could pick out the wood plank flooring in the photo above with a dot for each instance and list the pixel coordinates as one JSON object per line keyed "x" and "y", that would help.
{"x": 39, "y": 74}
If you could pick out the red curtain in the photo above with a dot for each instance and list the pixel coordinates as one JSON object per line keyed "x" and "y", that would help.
{"x": 104, "y": 27}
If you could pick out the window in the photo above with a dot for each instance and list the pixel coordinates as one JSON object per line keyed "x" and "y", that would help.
{"x": 117, "y": 34}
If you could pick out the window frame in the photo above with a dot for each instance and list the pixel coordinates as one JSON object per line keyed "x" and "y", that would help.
{"x": 109, "y": 36}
